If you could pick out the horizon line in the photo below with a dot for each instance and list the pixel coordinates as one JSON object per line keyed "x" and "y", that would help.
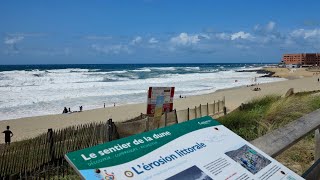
{"x": 139, "y": 63}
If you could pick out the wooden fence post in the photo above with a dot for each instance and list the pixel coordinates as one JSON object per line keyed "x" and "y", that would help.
{"x": 195, "y": 111}
{"x": 188, "y": 114}
{"x": 110, "y": 129}
{"x": 176, "y": 116}
{"x": 147, "y": 125}
{"x": 224, "y": 106}
{"x": 224, "y": 110}
{"x": 207, "y": 109}
{"x": 50, "y": 141}
{"x": 317, "y": 144}
{"x": 200, "y": 110}
{"x": 165, "y": 118}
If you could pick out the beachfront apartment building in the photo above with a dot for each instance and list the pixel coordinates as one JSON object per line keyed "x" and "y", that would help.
{"x": 302, "y": 59}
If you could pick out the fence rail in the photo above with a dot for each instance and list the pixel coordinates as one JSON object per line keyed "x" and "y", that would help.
{"x": 42, "y": 157}
{"x": 283, "y": 138}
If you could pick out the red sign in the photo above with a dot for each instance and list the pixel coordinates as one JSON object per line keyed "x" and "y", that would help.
{"x": 160, "y": 96}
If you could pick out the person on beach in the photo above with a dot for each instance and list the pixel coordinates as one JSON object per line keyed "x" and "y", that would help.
{"x": 69, "y": 110}
{"x": 114, "y": 104}
{"x": 318, "y": 79}
{"x": 65, "y": 110}
{"x": 104, "y": 105}
{"x": 7, "y": 135}
{"x": 80, "y": 108}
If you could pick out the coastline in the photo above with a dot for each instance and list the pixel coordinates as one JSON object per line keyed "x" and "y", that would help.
{"x": 32, "y": 126}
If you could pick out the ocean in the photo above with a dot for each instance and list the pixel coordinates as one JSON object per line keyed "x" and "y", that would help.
{"x": 32, "y": 90}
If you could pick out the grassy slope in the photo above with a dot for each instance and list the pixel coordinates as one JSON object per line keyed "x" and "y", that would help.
{"x": 271, "y": 112}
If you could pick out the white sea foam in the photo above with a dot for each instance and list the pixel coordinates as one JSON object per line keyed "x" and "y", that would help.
{"x": 142, "y": 70}
{"x": 39, "y": 92}
{"x": 116, "y": 72}
{"x": 67, "y": 70}
{"x": 164, "y": 68}
{"x": 191, "y": 68}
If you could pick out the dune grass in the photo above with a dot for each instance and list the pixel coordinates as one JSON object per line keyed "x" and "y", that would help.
{"x": 260, "y": 116}
{"x": 263, "y": 115}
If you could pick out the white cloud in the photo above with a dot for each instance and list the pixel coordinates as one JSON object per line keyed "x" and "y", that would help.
{"x": 223, "y": 36}
{"x": 153, "y": 40}
{"x": 13, "y": 40}
{"x": 257, "y": 27}
{"x": 270, "y": 26}
{"x": 203, "y": 36}
{"x": 312, "y": 33}
{"x": 136, "y": 40}
{"x": 241, "y": 35}
{"x": 297, "y": 33}
{"x": 306, "y": 34}
{"x": 185, "y": 39}
{"x": 111, "y": 49}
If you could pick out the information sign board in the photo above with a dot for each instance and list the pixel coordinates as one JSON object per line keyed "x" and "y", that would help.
{"x": 160, "y": 99}
{"x": 197, "y": 149}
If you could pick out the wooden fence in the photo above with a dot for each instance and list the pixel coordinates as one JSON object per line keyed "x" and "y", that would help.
{"x": 277, "y": 141}
{"x": 42, "y": 157}
{"x": 34, "y": 157}
{"x": 125, "y": 129}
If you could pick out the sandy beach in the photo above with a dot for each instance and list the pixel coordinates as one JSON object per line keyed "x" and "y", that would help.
{"x": 31, "y": 126}
{"x": 294, "y": 73}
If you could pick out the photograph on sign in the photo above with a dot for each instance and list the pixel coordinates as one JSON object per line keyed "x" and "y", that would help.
{"x": 249, "y": 159}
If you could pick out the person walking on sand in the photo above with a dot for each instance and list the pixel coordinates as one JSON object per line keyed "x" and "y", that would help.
{"x": 318, "y": 79}
{"x": 7, "y": 135}
{"x": 104, "y": 105}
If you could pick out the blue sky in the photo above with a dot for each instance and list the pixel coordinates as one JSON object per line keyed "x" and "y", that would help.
{"x": 156, "y": 31}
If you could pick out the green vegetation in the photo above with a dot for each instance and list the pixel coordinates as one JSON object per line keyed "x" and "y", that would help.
{"x": 263, "y": 115}
{"x": 268, "y": 113}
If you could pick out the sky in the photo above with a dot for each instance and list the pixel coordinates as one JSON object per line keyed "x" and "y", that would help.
{"x": 156, "y": 31}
